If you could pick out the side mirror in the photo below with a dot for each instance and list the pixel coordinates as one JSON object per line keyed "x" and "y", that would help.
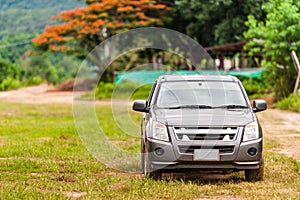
{"x": 259, "y": 105}
{"x": 140, "y": 105}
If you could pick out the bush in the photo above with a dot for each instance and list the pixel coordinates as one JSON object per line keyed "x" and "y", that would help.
{"x": 34, "y": 80}
{"x": 256, "y": 85}
{"x": 291, "y": 103}
{"x": 104, "y": 90}
{"x": 9, "y": 83}
{"x": 122, "y": 90}
{"x": 8, "y": 69}
{"x": 142, "y": 92}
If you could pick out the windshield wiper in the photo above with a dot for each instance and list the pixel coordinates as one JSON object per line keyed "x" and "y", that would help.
{"x": 232, "y": 106}
{"x": 191, "y": 106}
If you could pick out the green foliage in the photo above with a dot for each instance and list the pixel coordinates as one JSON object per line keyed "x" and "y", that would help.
{"x": 291, "y": 103}
{"x": 12, "y": 76}
{"x": 7, "y": 69}
{"x": 33, "y": 80}
{"x": 142, "y": 92}
{"x": 9, "y": 83}
{"x": 253, "y": 86}
{"x": 37, "y": 65}
{"x": 104, "y": 90}
{"x": 51, "y": 75}
{"x": 23, "y": 20}
{"x": 14, "y": 45}
{"x": 275, "y": 38}
{"x": 66, "y": 66}
{"x": 217, "y": 22}
{"x": 9, "y": 75}
{"x": 53, "y": 68}
{"x": 257, "y": 85}
{"x": 38, "y": 4}
{"x": 122, "y": 91}
{"x": 36, "y": 69}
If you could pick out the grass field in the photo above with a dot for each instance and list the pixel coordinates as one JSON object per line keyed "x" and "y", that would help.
{"x": 42, "y": 157}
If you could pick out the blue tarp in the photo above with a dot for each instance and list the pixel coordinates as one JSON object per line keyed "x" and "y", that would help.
{"x": 149, "y": 77}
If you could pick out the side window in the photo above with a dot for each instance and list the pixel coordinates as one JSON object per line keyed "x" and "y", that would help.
{"x": 149, "y": 100}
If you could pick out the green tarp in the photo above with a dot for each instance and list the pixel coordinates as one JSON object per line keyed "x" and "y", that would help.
{"x": 148, "y": 77}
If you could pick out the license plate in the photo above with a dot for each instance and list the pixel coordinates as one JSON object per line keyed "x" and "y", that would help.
{"x": 206, "y": 154}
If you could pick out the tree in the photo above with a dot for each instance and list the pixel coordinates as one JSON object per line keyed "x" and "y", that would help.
{"x": 275, "y": 38}
{"x": 8, "y": 69}
{"x": 84, "y": 28}
{"x": 40, "y": 66}
{"x": 217, "y": 22}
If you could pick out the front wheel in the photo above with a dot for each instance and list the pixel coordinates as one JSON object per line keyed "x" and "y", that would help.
{"x": 155, "y": 175}
{"x": 253, "y": 175}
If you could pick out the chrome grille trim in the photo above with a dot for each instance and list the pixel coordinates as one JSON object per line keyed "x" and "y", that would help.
{"x": 222, "y": 149}
{"x": 205, "y": 133}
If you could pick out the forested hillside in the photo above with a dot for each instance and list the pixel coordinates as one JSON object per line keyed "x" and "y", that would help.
{"x": 22, "y": 20}
{"x": 38, "y": 4}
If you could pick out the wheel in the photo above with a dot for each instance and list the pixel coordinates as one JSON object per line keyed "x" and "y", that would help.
{"x": 253, "y": 175}
{"x": 155, "y": 175}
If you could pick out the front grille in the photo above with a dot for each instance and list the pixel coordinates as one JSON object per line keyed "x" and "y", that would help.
{"x": 206, "y": 133}
{"x": 190, "y": 149}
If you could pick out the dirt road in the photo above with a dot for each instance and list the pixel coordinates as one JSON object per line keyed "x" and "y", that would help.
{"x": 37, "y": 95}
{"x": 280, "y": 126}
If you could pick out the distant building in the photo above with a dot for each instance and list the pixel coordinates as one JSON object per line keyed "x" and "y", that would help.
{"x": 232, "y": 56}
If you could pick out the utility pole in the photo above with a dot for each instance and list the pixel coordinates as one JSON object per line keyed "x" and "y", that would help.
{"x": 297, "y": 66}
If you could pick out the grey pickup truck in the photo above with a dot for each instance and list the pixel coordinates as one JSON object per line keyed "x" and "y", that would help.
{"x": 202, "y": 123}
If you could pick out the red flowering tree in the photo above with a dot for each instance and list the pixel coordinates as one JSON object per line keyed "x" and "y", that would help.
{"x": 82, "y": 29}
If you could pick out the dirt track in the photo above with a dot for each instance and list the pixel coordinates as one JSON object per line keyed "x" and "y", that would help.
{"x": 284, "y": 128}
{"x": 37, "y": 95}
{"x": 278, "y": 125}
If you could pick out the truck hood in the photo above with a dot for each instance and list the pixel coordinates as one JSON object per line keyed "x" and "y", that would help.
{"x": 204, "y": 117}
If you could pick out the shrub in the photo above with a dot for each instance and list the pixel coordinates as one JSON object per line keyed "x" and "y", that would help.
{"x": 104, "y": 90}
{"x": 257, "y": 85}
{"x": 291, "y": 103}
{"x": 122, "y": 90}
{"x": 8, "y": 69}
{"x": 34, "y": 80}
{"x": 142, "y": 92}
{"x": 9, "y": 83}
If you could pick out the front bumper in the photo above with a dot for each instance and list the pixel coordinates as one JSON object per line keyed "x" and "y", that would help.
{"x": 174, "y": 158}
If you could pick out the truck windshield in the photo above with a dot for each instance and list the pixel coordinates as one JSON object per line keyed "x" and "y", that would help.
{"x": 201, "y": 94}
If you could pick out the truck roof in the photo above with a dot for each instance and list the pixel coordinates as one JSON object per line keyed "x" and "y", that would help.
{"x": 197, "y": 77}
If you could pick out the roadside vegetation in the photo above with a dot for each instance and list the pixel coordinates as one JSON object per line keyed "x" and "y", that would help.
{"x": 42, "y": 157}
{"x": 255, "y": 88}
{"x": 291, "y": 103}
{"x": 32, "y": 54}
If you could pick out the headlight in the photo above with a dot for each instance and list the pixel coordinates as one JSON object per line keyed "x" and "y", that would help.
{"x": 159, "y": 131}
{"x": 251, "y": 132}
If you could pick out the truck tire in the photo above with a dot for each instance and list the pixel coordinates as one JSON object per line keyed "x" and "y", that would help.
{"x": 155, "y": 175}
{"x": 253, "y": 175}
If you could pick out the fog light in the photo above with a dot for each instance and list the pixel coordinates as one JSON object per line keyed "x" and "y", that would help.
{"x": 252, "y": 151}
{"x": 159, "y": 151}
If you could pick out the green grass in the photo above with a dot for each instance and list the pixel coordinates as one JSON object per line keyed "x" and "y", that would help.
{"x": 42, "y": 157}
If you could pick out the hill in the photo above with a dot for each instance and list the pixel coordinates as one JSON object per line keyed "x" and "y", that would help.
{"x": 22, "y": 20}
